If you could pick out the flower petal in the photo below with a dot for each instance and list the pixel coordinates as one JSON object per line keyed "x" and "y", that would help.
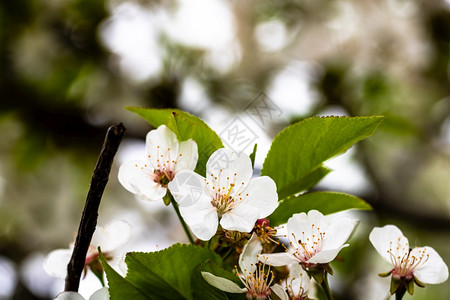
{"x": 325, "y": 256}
{"x": 278, "y": 259}
{"x": 101, "y": 294}
{"x": 188, "y": 188}
{"x": 302, "y": 225}
{"x": 434, "y": 270}
{"x": 242, "y": 218}
{"x": 161, "y": 141}
{"x": 111, "y": 236}
{"x": 249, "y": 255}
{"x": 262, "y": 194}
{"x": 299, "y": 280}
{"x": 338, "y": 232}
{"x": 69, "y": 296}
{"x": 202, "y": 219}
{"x": 55, "y": 264}
{"x": 382, "y": 238}
{"x": 226, "y": 167}
{"x": 187, "y": 157}
{"x": 223, "y": 284}
{"x": 137, "y": 178}
{"x": 279, "y": 291}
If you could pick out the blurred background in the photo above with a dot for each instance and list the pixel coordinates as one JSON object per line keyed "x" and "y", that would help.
{"x": 69, "y": 68}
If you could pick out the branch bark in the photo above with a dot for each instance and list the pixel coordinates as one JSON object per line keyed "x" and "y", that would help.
{"x": 88, "y": 222}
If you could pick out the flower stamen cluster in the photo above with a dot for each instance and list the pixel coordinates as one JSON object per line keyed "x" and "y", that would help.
{"x": 405, "y": 265}
{"x": 306, "y": 246}
{"x": 265, "y": 232}
{"x": 257, "y": 282}
{"x": 225, "y": 197}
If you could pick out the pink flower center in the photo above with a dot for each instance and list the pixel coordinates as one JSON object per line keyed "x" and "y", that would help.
{"x": 404, "y": 265}
{"x": 162, "y": 167}
{"x": 305, "y": 246}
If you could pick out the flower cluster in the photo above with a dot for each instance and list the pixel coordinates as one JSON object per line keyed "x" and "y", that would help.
{"x": 228, "y": 210}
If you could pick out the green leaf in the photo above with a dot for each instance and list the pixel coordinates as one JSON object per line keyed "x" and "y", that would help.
{"x": 301, "y": 148}
{"x": 185, "y": 126}
{"x": 325, "y": 202}
{"x": 253, "y": 155}
{"x": 119, "y": 287}
{"x": 167, "y": 273}
{"x": 304, "y": 183}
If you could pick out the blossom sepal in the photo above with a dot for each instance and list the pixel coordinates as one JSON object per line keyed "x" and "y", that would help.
{"x": 96, "y": 268}
{"x": 396, "y": 284}
{"x": 167, "y": 199}
{"x": 318, "y": 273}
{"x": 409, "y": 284}
{"x": 386, "y": 274}
{"x": 418, "y": 282}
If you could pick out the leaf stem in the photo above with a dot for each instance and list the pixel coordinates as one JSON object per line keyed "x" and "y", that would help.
{"x": 326, "y": 286}
{"x": 400, "y": 292}
{"x": 177, "y": 210}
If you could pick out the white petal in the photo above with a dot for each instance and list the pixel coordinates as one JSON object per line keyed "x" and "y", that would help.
{"x": 189, "y": 156}
{"x": 123, "y": 267}
{"x": 278, "y": 259}
{"x": 279, "y": 291}
{"x": 223, "y": 284}
{"x": 383, "y": 238}
{"x": 111, "y": 236}
{"x": 249, "y": 255}
{"x": 201, "y": 218}
{"x": 325, "y": 256}
{"x": 137, "y": 179}
{"x": 229, "y": 168}
{"x": 55, "y": 264}
{"x": 69, "y": 296}
{"x": 434, "y": 270}
{"x": 159, "y": 141}
{"x": 299, "y": 280}
{"x": 242, "y": 218}
{"x": 262, "y": 194}
{"x": 188, "y": 188}
{"x": 338, "y": 232}
{"x": 300, "y": 225}
{"x": 101, "y": 294}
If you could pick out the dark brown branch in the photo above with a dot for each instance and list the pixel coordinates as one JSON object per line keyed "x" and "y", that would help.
{"x": 90, "y": 212}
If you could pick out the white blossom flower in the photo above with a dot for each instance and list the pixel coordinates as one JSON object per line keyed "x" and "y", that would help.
{"x": 110, "y": 238}
{"x": 253, "y": 274}
{"x": 313, "y": 239}
{"x": 297, "y": 285}
{"x": 228, "y": 195}
{"x": 101, "y": 294}
{"x": 422, "y": 263}
{"x": 166, "y": 157}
